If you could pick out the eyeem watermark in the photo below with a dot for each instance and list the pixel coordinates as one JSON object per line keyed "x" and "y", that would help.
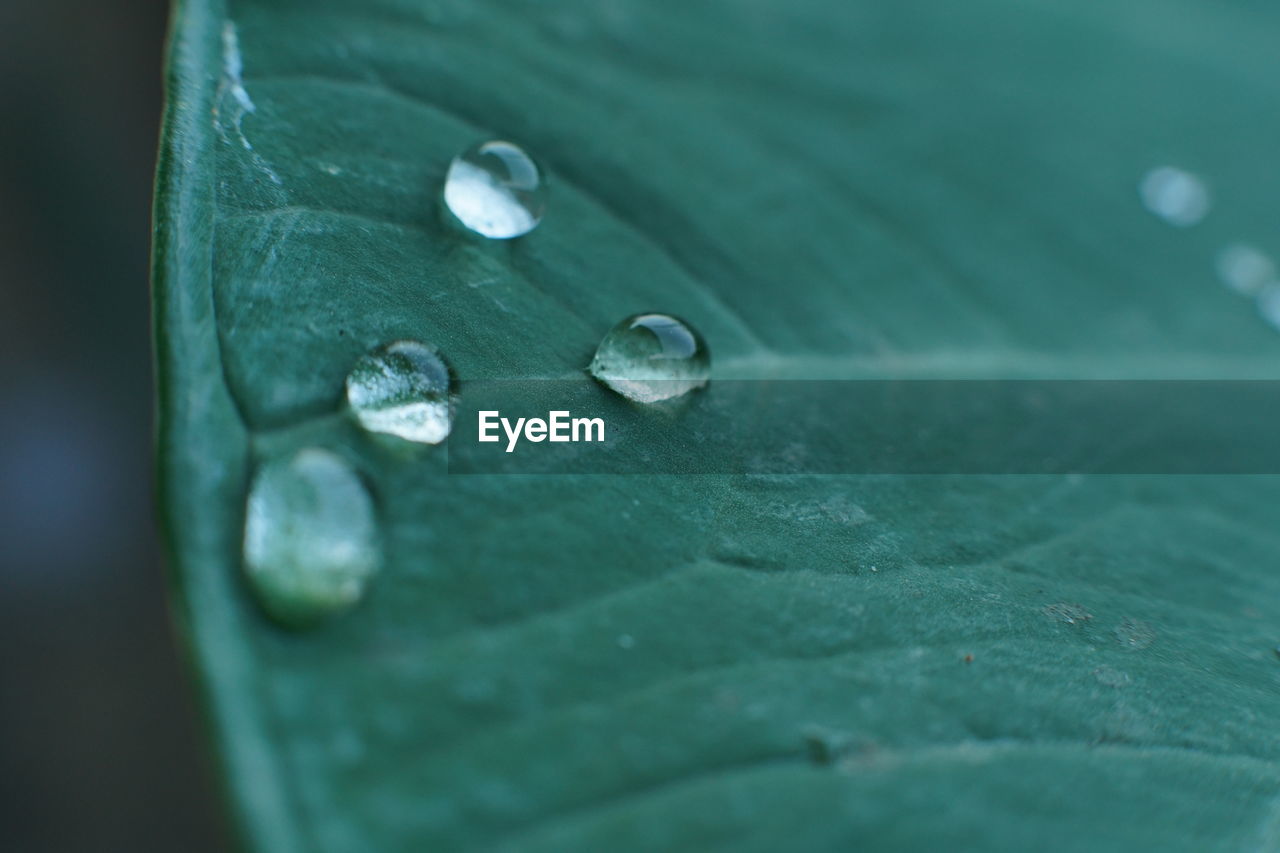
{"x": 913, "y": 426}
{"x": 558, "y": 426}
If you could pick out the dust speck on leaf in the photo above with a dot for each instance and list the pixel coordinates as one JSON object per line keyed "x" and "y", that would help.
{"x": 826, "y": 746}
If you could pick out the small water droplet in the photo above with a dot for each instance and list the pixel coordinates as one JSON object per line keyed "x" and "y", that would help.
{"x": 403, "y": 390}
{"x": 1245, "y": 269}
{"x": 310, "y": 538}
{"x": 652, "y": 357}
{"x": 626, "y": 641}
{"x": 495, "y": 189}
{"x": 1176, "y": 196}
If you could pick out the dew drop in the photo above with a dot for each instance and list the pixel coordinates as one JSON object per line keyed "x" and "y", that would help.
{"x": 496, "y": 190}
{"x": 652, "y": 357}
{"x": 403, "y": 390}
{"x": 1245, "y": 269}
{"x": 310, "y": 538}
{"x": 1176, "y": 196}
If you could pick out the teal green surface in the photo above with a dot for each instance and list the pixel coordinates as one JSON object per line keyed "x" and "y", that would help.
{"x": 824, "y": 189}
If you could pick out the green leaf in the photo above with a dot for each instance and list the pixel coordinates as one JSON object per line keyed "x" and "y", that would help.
{"x": 824, "y": 189}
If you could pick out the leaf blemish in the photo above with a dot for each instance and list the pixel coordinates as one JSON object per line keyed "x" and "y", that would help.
{"x": 1070, "y": 614}
{"x": 233, "y": 79}
{"x": 232, "y": 86}
{"x": 826, "y": 746}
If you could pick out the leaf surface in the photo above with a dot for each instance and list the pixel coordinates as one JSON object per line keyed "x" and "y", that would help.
{"x": 825, "y": 190}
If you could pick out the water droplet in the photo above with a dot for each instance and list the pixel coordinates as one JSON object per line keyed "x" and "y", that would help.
{"x": 1245, "y": 269}
{"x": 310, "y": 538}
{"x": 1269, "y": 304}
{"x": 1176, "y": 196}
{"x": 626, "y": 641}
{"x": 496, "y": 190}
{"x": 403, "y": 390}
{"x": 652, "y": 357}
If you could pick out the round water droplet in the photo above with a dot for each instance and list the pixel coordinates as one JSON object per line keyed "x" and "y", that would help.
{"x": 1176, "y": 196}
{"x": 1245, "y": 269}
{"x": 403, "y": 390}
{"x": 310, "y": 538}
{"x": 496, "y": 190}
{"x": 652, "y": 357}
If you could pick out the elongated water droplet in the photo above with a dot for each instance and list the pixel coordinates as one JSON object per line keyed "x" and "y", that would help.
{"x": 310, "y": 538}
{"x": 1245, "y": 269}
{"x": 496, "y": 190}
{"x": 403, "y": 390}
{"x": 652, "y": 357}
{"x": 1176, "y": 196}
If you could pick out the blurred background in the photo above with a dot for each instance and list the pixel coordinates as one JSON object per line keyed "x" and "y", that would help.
{"x": 100, "y": 744}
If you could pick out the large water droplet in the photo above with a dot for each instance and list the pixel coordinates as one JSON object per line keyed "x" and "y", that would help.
{"x": 652, "y": 357}
{"x": 1176, "y": 196}
{"x": 1245, "y": 269}
{"x": 403, "y": 390}
{"x": 495, "y": 189}
{"x": 310, "y": 538}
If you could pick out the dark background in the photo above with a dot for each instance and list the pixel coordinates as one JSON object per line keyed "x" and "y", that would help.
{"x": 100, "y": 745}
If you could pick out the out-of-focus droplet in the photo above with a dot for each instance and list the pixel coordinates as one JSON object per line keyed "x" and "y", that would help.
{"x": 310, "y": 538}
{"x": 403, "y": 389}
{"x": 1269, "y": 304}
{"x": 1176, "y": 196}
{"x": 652, "y": 357}
{"x": 496, "y": 190}
{"x": 1245, "y": 269}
